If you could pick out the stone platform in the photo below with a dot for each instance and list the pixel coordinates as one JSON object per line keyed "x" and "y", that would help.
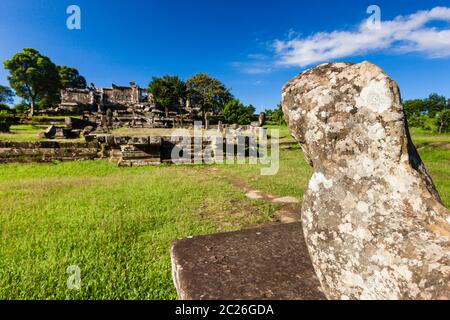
{"x": 270, "y": 262}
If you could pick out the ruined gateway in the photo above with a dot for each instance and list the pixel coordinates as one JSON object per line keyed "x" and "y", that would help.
{"x": 373, "y": 221}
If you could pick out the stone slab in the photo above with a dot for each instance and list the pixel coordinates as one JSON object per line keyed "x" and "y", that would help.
{"x": 270, "y": 262}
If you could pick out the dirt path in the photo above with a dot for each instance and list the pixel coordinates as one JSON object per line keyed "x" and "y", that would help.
{"x": 290, "y": 211}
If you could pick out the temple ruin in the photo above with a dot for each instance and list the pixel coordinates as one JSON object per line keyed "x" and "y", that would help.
{"x": 130, "y": 106}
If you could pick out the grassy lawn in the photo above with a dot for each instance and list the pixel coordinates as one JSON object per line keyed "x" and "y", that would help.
{"x": 23, "y": 132}
{"x": 116, "y": 224}
{"x": 29, "y": 132}
{"x": 423, "y": 137}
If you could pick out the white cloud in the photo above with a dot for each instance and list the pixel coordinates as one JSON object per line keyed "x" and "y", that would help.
{"x": 403, "y": 34}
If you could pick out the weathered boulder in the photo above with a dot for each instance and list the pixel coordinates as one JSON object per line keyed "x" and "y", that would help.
{"x": 373, "y": 221}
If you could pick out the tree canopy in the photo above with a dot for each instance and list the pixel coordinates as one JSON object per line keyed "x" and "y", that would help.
{"x": 34, "y": 77}
{"x": 428, "y": 113}
{"x": 276, "y": 116}
{"x": 71, "y": 78}
{"x": 167, "y": 91}
{"x": 434, "y": 104}
{"x": 208, "y": 93}
{"x": 6, "y": 97}
{"x": 235, "y": 112}
{"x": 413, "y": 108}
{"x": 443, "y": 121}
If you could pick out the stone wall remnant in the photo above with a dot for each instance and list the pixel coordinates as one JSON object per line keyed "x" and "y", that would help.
{"x": 373, "y": 220}
{"x": 47, "y": 151}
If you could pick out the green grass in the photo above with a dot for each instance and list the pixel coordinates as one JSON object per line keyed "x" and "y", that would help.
{"x": 437, "y": 162}
{"x": 23, "y": 132}
{"x": 116, "y": 224}
{"x": 27, "y": 132}
{"x": 423, "y": 137}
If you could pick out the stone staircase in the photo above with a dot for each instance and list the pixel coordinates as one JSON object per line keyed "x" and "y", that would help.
{"x": 138, "y": 151}
{"x": 140, "y": 155}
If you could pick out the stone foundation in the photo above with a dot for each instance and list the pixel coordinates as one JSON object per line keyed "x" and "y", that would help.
{"x": 47, "y": 151}
{"x": 131, "y": 150}
{"x": 123, "y": 150}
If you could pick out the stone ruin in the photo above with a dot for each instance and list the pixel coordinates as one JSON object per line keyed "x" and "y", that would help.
{"x": 123, "y": 106}
{"x": 180, "y": 147}
{"x": 373, "y": 225}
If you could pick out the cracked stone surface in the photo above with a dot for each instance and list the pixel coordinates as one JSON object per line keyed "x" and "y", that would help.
{"x": 374, "y": 224}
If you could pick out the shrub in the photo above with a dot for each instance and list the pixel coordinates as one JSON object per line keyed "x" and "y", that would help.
{"x": 21, "y": 107}
{"x": 278, "y": 116}
{"x": 4, "y": 117}
{"x": 417, "y": 121}
{"x": 235, "y": 112}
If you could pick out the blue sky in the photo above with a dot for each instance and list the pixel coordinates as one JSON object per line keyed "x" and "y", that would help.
{"x": 254, "y": 47}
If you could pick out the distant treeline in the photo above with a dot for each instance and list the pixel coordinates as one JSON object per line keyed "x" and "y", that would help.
{"x": 432, "y": 113}
{"x": 275, "y": 116}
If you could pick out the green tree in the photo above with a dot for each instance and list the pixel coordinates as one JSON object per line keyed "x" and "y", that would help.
{"x": 247, "y": 117}
{"x": 443, "y": 121}
{"x": 278, "y": 115}
{"x": 235, "y": 112}
{"x": 435, "y": 104}
{"x": 414, "y": 111}
{"x": 21, "y": 107}
{"x": 34, "y": 77}
{"x": 207, "y": 93}
{"x": 167, "y": 91}
{"x": 71, "y": 78}
{"x": 413, "y": 108}
{"x": 6, "y": 97}
{"x": 269, "y": 113}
